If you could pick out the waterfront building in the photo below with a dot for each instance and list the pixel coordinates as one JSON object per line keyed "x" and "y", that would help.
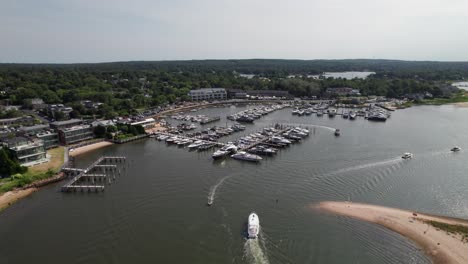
{"x": 22, "y": 120}
{"x": 64, "y": 124}
{"x": 27, "y": 152}
{"x": 147, "y": 123}
{"x": 343, "y": 91}
{"x": 50, "y": 139}
{"x": 75, "y": 134}
{"x": 208, "y": 94}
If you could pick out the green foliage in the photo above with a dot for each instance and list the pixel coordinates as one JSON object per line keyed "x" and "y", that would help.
{"x": 10, "y": 114}
{"x": 100, "y": 131}
{"x": 9, "y": 165}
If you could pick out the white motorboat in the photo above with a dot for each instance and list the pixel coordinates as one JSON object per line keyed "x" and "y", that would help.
{"x": 242, "y": 155}
{"x": 281, "y": 140}
{"x": 253, "y": 226}
{"x": 195, "y": 144}
{"x": 455, "y": 149}
{"x": 407, "y": 155}
{"x": 224, "y": 151}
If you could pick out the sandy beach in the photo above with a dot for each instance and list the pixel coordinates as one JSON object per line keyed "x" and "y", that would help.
{"x": 441, "y": 246}
{"x": 11, "y": 197}
{"x": 462, "y": 104}
{"x": 87, "y": 148}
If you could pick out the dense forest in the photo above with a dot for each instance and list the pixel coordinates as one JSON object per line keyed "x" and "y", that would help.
{"x": 124, "y": 87}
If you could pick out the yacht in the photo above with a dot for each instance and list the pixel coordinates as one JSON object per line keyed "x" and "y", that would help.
{"x": 242, "y": 155}
{"x": 352, "y": 115}
{"x": 332, "y": 112}
{"x": 345, "y": 115}
{"x": 337, "y": 132}
{"x": 224, "y": 151}
{"x": 455, "y": 149}
{"x": 196, "y": 144}
{"x": 277, "y": 139}
{"x": 407, "y": 155}
{"x": 253, "y": 227}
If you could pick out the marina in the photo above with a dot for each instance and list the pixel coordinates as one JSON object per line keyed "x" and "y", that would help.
{"x": 178, "y": 191}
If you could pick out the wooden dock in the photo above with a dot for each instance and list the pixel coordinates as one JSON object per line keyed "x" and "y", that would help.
{"x": 105, "y": 165}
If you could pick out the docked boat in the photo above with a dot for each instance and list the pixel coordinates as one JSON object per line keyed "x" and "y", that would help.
{"x": 455, "y": 149}
{"x": 196, "y": 144}
{"x": 242, "y": 155}
{"x": 224, "y": 151}
{"x": 337, "y": 132}
{"x": 352, "y": 115}
{"x": 407, "y": 155}
{"x": 319, "y": 113}
{"x": 345, "y": 115}
{"x": 331, "y": 112}
{"x": 253, "y": 225}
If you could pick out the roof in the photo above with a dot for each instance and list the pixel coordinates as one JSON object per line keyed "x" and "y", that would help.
{"x": 66, "y": 122}
{"x": 32, "y": 128}
{"x": 14, "y": 140}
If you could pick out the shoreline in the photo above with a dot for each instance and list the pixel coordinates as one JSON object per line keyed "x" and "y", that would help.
{"x": 439, "y": 245}
{"x": 11, "y": 197}
{"x": 88, "y": 148}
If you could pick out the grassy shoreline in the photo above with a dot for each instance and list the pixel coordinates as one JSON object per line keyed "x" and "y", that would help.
{"x": 35, "y": 173}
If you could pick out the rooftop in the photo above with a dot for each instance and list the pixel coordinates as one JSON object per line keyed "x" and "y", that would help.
{"x": 66, "y": 122}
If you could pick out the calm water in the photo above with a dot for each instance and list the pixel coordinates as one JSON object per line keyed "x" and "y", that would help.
{"x": 157, "y": 212}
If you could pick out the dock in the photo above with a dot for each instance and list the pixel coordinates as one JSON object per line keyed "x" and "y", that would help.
{"x": 104, "y": 168}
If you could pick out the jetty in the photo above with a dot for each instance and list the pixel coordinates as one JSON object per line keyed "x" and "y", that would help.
{"x": 94, "y": 177}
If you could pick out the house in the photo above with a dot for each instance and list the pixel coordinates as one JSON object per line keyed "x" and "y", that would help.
{"x": 38, "y": 103}
{"x": 236, "y": 94}
{"x": 208, "y": 94}
{"x": 27, "y": 152}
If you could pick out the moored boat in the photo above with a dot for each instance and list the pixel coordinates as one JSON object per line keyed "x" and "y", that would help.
{"x": 242, "y": 155}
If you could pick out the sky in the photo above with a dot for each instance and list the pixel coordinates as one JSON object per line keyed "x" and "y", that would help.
{"x": 71, "y": 31}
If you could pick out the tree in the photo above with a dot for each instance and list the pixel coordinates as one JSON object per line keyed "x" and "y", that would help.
{"x": 100, "y": 131}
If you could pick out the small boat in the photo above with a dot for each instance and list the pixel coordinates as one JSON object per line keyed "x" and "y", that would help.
{"x": 345, "y": 115}
{"x": 319, "y": 113}
{"x": 455, "y": 149}
{"x": 407, "y": 155}
{"x": 242, "y": 155}
{"x": 253, "y": 226}
{"x": 352, "y": 115}
{"x": 331, "y": 112}
{"x": 337, "y": 132}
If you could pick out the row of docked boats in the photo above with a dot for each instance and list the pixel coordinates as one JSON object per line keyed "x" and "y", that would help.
{"x": 191, "y": 143}
{"x": 263, "y": 143}
{"x": 251, "y": 114}
{"x": 191, "y": 118}
{"x": 214, "y": 133}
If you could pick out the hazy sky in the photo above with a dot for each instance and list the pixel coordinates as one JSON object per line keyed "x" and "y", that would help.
{"x": 118, "y": 30}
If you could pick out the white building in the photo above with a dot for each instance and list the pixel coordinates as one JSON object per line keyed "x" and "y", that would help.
{"x": 208, "y": 94}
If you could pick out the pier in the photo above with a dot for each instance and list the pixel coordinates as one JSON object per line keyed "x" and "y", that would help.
{"x": 104, "y": 168}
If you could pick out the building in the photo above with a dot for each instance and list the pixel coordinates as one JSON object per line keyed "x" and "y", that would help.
{"x": 55, "y": 108}
{"x": 269, "y": 93}
{"x": 50, "y": 139}
{"x": 343, "y": 91}
{"x": 208, "y": 94}
{"x": 17, "y": 121}
{"x": 64, "y": 124}
{"x": 236, "y": 94}
{"x": 38, "y": 103}
{"x": 32, "y": 130}
{"x": 75, "y": 134}
{"x": 27, "y": 152}
{"x": 147, "y": 123}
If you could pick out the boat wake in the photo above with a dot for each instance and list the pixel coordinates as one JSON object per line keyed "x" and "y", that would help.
{"x": 366, "y": 166}
{"x": 253, "y": 252}
{"x": 211, "y": 195}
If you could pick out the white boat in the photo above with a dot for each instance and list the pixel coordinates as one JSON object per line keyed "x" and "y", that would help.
{"x": 407, "y": 155}
{"x": 281, "y": 140}
{"x": 242, "y": 155}
{"x": 455, "y": 149}
{"x": 195, "y": 144}
{"x": 253, "y": 226}
{"x": 224, "y": 151}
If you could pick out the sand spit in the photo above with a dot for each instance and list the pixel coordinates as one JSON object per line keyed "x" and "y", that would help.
{"x": 441, "y": 246}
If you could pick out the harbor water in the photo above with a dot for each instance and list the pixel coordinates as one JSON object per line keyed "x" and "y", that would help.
{"x": 156, "y": 212}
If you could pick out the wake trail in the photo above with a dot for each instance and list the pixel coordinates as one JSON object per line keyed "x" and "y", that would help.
{"x": 254, "y": 253}
{"x": 212, "y": 193}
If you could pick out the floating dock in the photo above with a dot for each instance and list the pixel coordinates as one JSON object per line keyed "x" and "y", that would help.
{"x": 104, "y": 168}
